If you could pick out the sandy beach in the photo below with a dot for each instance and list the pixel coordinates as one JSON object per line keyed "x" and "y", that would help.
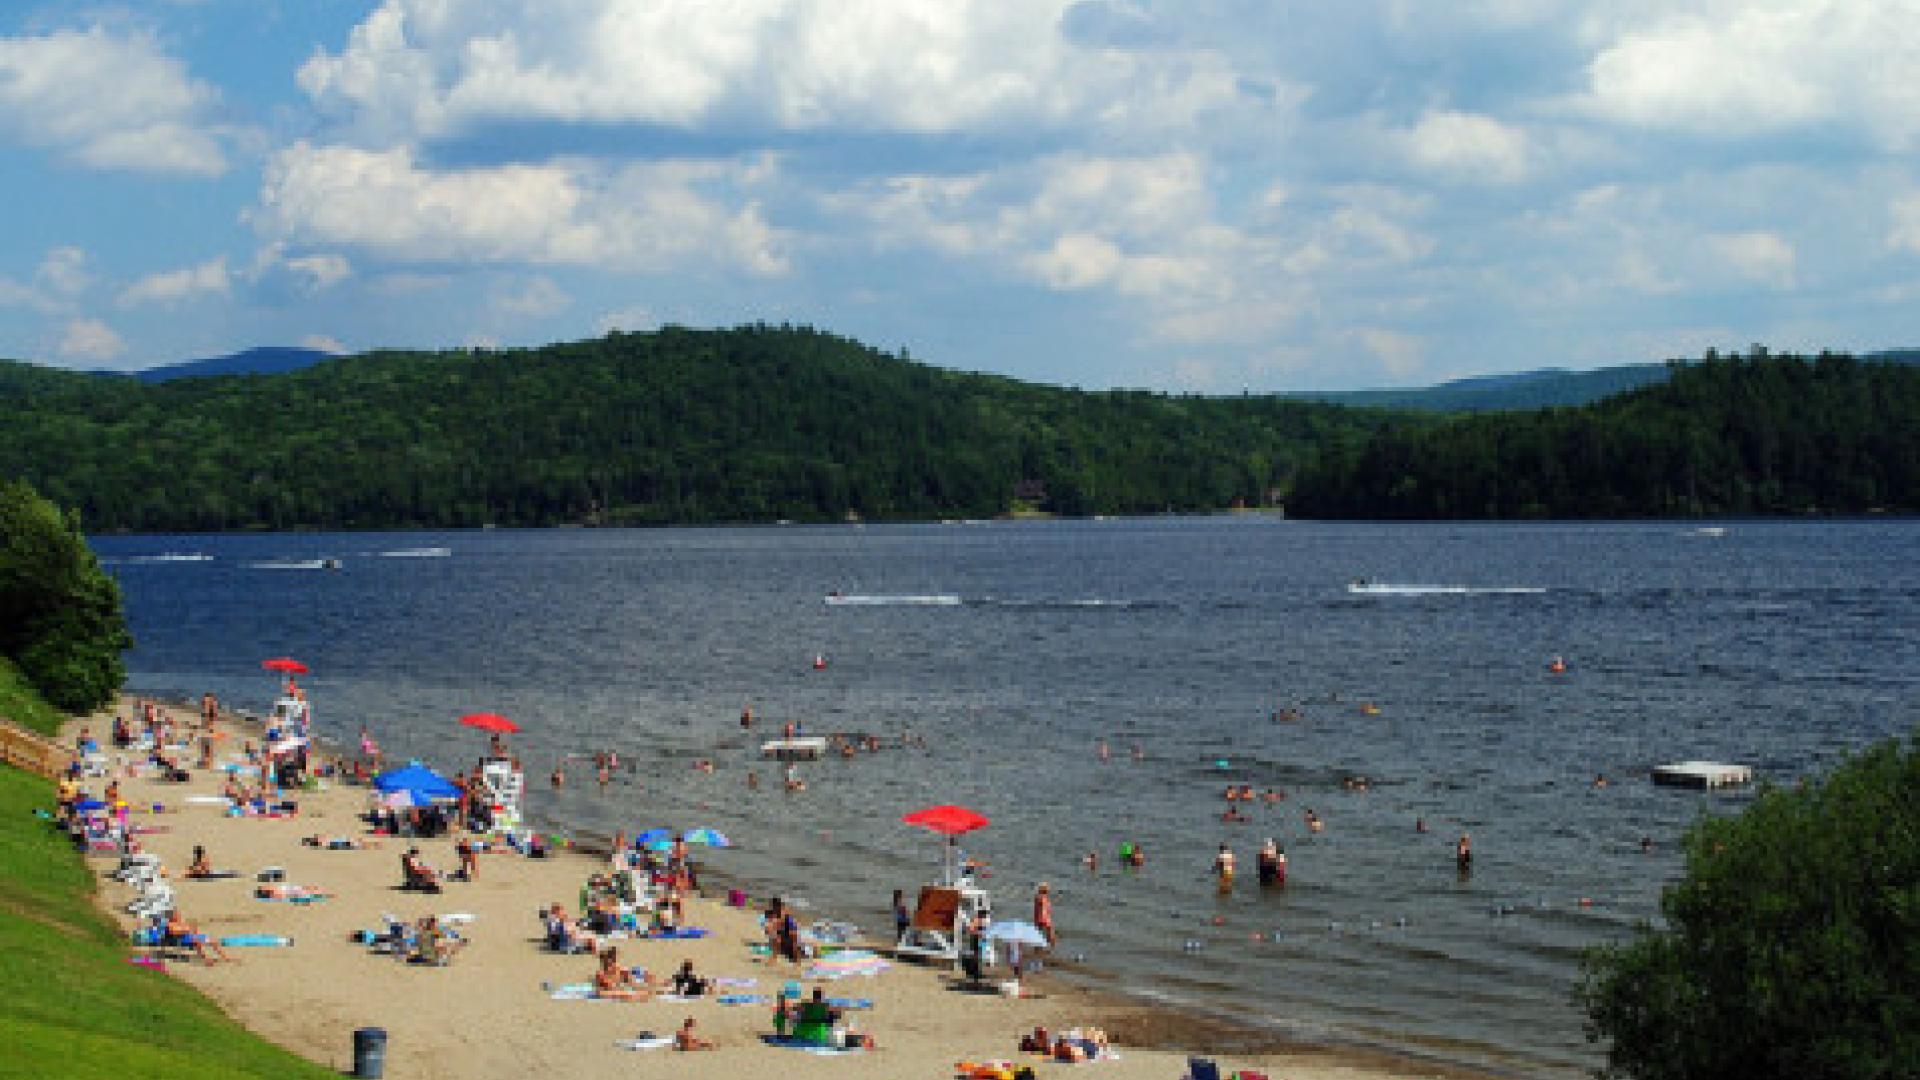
{"x": 486, "y": 1013}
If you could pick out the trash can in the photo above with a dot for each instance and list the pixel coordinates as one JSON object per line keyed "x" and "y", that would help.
{"x": 370, "y": 1053}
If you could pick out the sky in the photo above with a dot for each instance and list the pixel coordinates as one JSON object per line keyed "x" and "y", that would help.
{"x": 1209, "y": 196}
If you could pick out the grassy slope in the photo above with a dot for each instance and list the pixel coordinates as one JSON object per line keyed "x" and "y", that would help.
{"x": 21, "y": 704}
{"x": 73, "y": 1006}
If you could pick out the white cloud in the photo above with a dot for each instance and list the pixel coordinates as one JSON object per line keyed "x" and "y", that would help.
{"x": 1756, "y": 256}
{"x": 321, "y": 271}
{"x": 644, "y": 216}
{"x": 630, "y": 319}
{"x": 325, "y": 343}
{"x": 1469, "y": 146}
{"x": 210, "y": 278}
{"x": 1905, "y": 233}
{"x": 110, "y": 101}
{"x": 431, "y": 67}
{"x": 64, "y": 271}
{"x": 91, "y": 341}
{"x": 1399, "y": 354}
{"x": 1732, "y": 68}
{"x": 14, "y": 294}
{"x": 535, "y": 298}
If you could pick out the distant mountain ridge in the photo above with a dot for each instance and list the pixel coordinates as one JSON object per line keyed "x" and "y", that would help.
{"x": 1541, "y": 388}
{"x": 264, "y": 360}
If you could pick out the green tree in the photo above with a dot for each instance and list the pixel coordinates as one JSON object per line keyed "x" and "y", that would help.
{"x": 1792, "y": 942}
{"x": 60, "y": 614}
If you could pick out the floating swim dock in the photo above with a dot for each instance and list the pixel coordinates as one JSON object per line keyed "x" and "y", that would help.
{"x": 1701, "y": 775}
{"x": 805, "y": 747}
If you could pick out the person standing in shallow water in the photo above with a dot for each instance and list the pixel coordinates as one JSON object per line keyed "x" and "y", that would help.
{"x": 1223, "y": 868}
{"x": 1463, "y": 854}
{"x": 1043, "y": 912}
{"x": 1272, "y": 863}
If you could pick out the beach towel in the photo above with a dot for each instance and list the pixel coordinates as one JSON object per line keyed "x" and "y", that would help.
{"x": 845, "y": 964}
{"x": 263, "y": 941}
{"x": 850, "y": 1003}
{"x": 677, "y": 933}
{"x": 152, "y": 963}
{"x": 743, "y": 999}
{"x": 654, "y": 1043}
{"x": 808, "y": 1047}
{"x": 217, "y": 875}
{"x": 725, "y": 981}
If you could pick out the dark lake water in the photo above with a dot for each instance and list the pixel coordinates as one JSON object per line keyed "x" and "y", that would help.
{"x": 1779, "y": 645}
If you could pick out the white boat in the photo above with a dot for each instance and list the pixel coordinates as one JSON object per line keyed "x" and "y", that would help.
{"x": 836, "y": 599}
{"x": 800, "y": 747}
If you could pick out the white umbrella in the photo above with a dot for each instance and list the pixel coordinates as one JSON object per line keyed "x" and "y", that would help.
{"x": 1016, "y": 932}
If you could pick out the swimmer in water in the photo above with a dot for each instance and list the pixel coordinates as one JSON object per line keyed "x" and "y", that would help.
{"x": 1314, "y": 823}
{"x": 1223, "y": 868}
{"x": 1599, "y": 779}
{"x": 559, "y": 777}
{"x": 1091, "y": 861}
{"x": 1105, "y": 754}
{"x": 746, "y": 716}
{"x": 1138, "y": 753}
{"x": 1463, "y": 853}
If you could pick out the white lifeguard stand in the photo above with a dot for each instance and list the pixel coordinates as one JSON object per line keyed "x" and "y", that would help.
{"x": 936, "y": 929}
{"x": 290, "y": 711}
{"x": 504, "y": 786}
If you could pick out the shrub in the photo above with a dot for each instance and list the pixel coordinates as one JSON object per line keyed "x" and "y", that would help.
{"x": 1792, "y": 942}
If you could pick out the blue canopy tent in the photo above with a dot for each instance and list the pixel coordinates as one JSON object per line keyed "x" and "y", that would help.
{"x": 418, "y": 780}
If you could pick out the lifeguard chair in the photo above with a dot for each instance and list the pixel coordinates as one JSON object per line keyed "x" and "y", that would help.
{"x": 504, "y": 785}
{"x": 938, "y": 921}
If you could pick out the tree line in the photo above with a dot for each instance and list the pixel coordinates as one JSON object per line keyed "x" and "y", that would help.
{"x": 1756, "y": 434}
{"x": 763, "y": 423}
{"x": 758, "y": 423}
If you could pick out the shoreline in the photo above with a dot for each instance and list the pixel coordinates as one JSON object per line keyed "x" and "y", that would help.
{"x": 919, "y": 1019}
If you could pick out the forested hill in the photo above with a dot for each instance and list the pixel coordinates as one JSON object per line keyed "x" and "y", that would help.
{"x": 1755, "y": 435}
{"x": 752, "y": 424}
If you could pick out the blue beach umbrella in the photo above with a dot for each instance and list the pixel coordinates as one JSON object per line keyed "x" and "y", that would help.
{"x": 709, "y": 837}
{"x": 654, "y": 836}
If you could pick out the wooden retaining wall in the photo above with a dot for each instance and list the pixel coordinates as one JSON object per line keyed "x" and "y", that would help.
{"x": 32, "y": 751}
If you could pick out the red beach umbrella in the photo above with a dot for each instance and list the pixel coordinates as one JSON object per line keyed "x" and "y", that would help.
{"x": 487, "y": 721}
{"x": 285, "y": 663}
{"x": 947, "y": 820}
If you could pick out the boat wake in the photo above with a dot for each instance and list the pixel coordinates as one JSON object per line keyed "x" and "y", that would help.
{"x": 1376, "y": 588}
{"x": 166, "y": 557}
{"x": 417, "y": 553}
{"x": 872, "y": 600}
{"x": 295, "y": 564}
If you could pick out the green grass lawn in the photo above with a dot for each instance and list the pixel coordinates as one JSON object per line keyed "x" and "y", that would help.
{"x": 22, "y": 704}
{"x": 72, "y": 1006}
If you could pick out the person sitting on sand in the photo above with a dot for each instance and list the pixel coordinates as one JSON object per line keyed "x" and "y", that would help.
{"x": 616, "y": 983}
{"x": 201, "y": 866}
{"x": 687, "y": 984}
{"x": 688, "y": 1039}
{"x": 563, "y": 936}
{"x": 181, "y": 932}
{"x": 417, "y": 874}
